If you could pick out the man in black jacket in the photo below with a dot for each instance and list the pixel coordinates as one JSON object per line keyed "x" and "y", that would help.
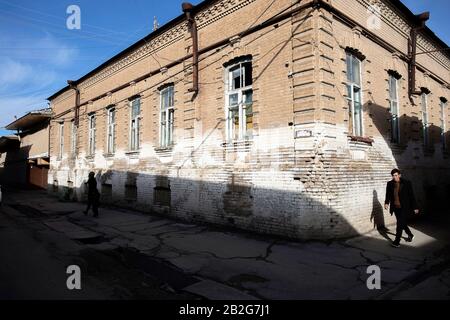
{"x": 93, "y": 195}
{"x": 401, "y": 201}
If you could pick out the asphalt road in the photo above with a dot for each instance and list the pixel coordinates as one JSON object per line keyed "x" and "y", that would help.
{"x": 29, "y": 270}
{"x": 34, "y": 261}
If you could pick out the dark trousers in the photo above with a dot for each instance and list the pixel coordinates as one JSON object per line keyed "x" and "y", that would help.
{"x": 402, "y": 224}
{"x": 94, "y": 203}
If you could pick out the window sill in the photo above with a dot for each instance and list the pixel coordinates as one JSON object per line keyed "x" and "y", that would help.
{"x": 164, "y": 149}
{"x": 133, "y": 152}
{"x": 162, "y": 205}
{"x": 395, "y": 146}
{"x": 90, "y": 158}
{"x": 108, "y": 155}
{"x": 238, "y": 144}
{"x": 365, "y": 140}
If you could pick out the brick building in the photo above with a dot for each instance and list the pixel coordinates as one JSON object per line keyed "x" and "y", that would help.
{"x": 24, "y": 156}
{"x": 282, "y": 117}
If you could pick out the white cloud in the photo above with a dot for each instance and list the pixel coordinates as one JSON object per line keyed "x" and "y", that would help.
{"x": 56, "y": 52}
{"x": 29, "y": 71}
{"x": 13, "y": 72}
{"x": 16, "y": 75}
{"x": 40, "y": 50}
{"x": 18, "y": 106}
{"x": 64, "y": 56}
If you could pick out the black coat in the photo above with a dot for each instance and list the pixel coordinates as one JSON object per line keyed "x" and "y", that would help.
{"x": 93, "y": 194}
{"x": 406, "y": 194}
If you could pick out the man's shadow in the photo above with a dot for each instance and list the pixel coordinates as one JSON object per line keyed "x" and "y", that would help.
{"x": 377, "y": 217}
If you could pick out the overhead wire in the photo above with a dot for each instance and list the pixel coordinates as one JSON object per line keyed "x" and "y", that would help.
{"x": 185, "y": 69}
{"x": 59, "y": 17}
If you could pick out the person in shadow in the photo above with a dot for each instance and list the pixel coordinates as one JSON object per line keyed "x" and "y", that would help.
{"x": 401, "y": 201}
{"x": 377, "y": 216}
{"x": 93, "y": 195}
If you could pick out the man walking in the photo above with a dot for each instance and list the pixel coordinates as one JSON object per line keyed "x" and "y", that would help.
{"x": 93, "y": 195}
{"x": 401, "y": 201}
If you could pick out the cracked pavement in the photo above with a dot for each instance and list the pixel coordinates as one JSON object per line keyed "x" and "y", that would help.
{"x": 238, "y": 265}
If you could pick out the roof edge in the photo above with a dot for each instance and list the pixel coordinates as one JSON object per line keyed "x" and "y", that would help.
{"x": 47, "y": 113}
{"x": 134, "y": 46}
{"x": 409, "y": 15}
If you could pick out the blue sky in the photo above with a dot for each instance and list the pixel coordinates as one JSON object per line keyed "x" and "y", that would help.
{"x": 38, "y": 53}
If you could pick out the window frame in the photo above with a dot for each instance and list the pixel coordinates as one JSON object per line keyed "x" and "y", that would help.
{"x": 241, "y": 106}
{"x": 134, "y": 134}
{"x": 166, "y": 117}
{"x": 110, "y": 130}
{"x": 443, "y": 106}
{"x": 424, "y": 114}
{"x": 92, "y": 130}
{"x": 350, "y": 88}
{"x": 395, "y": 117}
{"x": 73, "y": 140}
{"x": 61, "y": 140}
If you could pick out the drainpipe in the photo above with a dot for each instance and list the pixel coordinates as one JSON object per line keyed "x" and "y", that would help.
{"x": 412, "y": 47}
{"x": 192, "y": 25}
{"x": 73, "y": 85}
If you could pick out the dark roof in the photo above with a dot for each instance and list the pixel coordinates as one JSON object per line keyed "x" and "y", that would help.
{"x": 396, "y": 3}
{"x": 30, "y": 120}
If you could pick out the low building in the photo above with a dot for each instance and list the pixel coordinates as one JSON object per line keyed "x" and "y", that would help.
{"x": 283, "y": 118}
{"x": 24, "y": 157}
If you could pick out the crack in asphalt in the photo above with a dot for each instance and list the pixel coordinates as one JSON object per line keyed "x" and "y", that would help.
{"x": 421, "y": 272}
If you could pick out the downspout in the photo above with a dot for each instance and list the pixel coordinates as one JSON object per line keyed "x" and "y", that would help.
{"x": 277, "y": 18}
{"x": 73, "y": 85}
{"x": 412, "y": 48}
{"x": 76, "y": 119}
{"x": 192, "y": 25}
{"x": 49, "y": 135}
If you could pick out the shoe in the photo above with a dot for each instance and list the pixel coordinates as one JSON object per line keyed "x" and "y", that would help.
{"x": 85, "y": 213}
{"x": 395, "y": 244}
{"x": 410, "y": 238}
{"x": 95, "y": 215}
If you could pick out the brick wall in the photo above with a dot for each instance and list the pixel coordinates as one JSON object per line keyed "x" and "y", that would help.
{"x": 301, "y": 175}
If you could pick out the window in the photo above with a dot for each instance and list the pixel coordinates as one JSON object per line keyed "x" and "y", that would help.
{"x": 161, "y": 192}
{"x": 239, "y": 101}
{"x": 73, "y": 143}
{"x": 166, "y": 116}
{"x": 110, "y": 130}
{"x": 107, "y": 192}
{"x": 91, "y": 126}
{"x": 443, "y": 107}
{"x": 424, "y": 103}
{"x": 134, "y": 123}
{"x": 131, "y": 192}
{"x": 61, "y": 139}
{"x": 354, "y": 94}
{"x": 393, "y": 106}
